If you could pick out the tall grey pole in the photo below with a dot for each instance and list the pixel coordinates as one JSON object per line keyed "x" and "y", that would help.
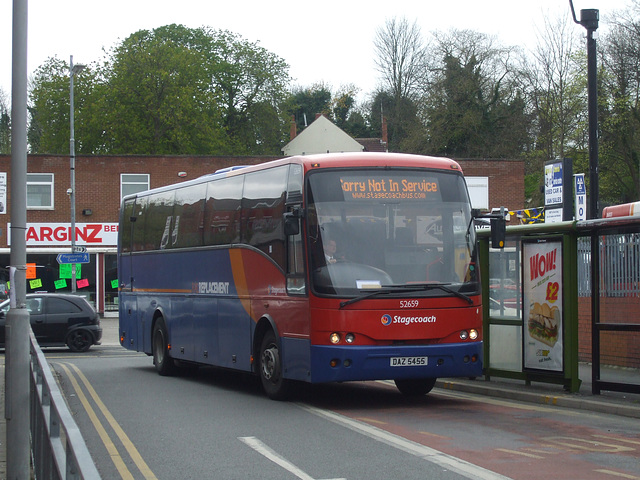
{"x": 589, "y": 19}
{"x": 72, "y": 167}
{"x": 18, "y": 326}
{"x": 73, "y": 70}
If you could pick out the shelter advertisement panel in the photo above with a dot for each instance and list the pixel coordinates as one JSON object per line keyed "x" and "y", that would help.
{"x": 543, "y": 305}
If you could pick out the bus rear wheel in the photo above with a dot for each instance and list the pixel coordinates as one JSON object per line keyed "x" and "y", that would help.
{"x": 414, "y": 387}
{"x": 270, "y": 368}
{"x": 163, "y": 362}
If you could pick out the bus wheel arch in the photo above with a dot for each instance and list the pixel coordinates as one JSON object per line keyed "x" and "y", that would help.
{"x": 269, "y": 360}
{"x": 160, "y": 347}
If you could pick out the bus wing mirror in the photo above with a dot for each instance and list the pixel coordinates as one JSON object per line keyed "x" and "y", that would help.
{"x": 291, "y": 223}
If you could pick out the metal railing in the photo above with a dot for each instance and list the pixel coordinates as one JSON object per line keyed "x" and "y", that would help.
{"x": 620, "y": 265}
{"x": 59, "y": 451}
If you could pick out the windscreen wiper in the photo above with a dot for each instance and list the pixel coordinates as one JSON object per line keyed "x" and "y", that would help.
{"x": 413, "y": 287}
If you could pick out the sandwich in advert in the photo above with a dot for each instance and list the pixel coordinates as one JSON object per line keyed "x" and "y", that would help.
{"x": 543, "y": 323}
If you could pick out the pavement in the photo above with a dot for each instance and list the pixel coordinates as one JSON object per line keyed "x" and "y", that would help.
{"x": 614, "y": 403}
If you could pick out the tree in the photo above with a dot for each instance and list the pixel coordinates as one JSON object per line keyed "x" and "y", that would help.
{"x": 158, "y": 94}
{"x": 305, "y": 103}
{"x": 171, "y": 90}
{"x": 48, "y": 130}
{"x": 404, "y": 131}
{"x": 350, "y": 116}
{"x": 473, "y": 107}
{"x": 554, "y": 91}
{"x": 5, "y": 124}
{"x": 401, "y": 59}
{"x": 619, "y": 109}
{"x": 250, "y": 83}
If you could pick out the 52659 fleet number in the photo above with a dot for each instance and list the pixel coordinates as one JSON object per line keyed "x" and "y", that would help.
{"x": 409, "y": 303}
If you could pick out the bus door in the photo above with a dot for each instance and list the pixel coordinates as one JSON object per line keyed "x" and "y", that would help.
{"x": 128, "y": 302}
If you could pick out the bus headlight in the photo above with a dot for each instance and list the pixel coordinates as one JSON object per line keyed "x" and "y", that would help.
{"x": 464, "y": 335}
{"x": 350, "y": 338}
{"x": 473, "y": 334}
{"x": 334, "y": 338}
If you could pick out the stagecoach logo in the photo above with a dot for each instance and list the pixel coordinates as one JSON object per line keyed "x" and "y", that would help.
{"x": 388, "y": 319}
{"x": 211, "y": 287}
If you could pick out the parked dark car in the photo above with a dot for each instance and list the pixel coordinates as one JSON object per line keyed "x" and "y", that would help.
{"x": 58, "y": 320}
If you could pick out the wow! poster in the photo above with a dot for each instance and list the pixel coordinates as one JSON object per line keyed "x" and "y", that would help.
{"x": 542, "y": 305}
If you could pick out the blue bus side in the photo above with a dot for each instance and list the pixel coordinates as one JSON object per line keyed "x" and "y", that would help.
{"x": 197, "y": 298}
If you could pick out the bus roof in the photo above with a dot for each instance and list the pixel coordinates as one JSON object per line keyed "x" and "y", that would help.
{"x": 380, "y": 159}
{"x": 328, "y": 160}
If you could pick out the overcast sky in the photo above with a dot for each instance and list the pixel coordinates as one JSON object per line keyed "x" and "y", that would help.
{"x": 328, "y": 40}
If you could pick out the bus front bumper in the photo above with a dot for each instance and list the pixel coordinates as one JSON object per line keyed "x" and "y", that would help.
{"x": 348, "y": 363}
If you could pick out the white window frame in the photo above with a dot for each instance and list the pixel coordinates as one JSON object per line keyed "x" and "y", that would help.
{"x": 125, "y": 181}
{"x": 51, "y": 185}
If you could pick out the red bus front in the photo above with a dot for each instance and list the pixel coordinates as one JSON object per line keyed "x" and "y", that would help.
{"x": 394, "y": 285}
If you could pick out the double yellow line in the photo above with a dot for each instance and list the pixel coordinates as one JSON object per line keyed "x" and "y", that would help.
{"x": 128, "y": 445}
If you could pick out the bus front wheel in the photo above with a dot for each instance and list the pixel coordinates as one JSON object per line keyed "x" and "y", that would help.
{"x": 273, "y": 383}
{"x": 163, "y": 362}
{"x": 414, "y": 387}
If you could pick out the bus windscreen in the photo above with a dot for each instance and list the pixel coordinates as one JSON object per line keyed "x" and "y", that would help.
{"x": 389, "y": 228}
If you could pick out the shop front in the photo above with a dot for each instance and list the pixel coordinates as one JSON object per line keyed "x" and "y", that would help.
{"x": 48, "y": 270}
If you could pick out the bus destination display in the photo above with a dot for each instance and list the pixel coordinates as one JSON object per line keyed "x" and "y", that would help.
{"x": 368, "y": 187}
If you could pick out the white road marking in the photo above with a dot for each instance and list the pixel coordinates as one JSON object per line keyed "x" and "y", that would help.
{"x": 276, "y": 458}
{"x": 462, "y": 467}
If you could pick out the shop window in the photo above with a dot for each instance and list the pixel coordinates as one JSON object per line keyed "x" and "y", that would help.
{"x": 40, "y": 191}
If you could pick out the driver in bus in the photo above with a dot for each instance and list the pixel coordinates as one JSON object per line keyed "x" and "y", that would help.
{"x": 330, "y": 248}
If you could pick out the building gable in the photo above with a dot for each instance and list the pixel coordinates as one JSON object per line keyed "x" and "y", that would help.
{"x": 322, "y": 136}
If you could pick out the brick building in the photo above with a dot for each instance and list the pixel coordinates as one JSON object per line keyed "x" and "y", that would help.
{"x": 101, "y": 181}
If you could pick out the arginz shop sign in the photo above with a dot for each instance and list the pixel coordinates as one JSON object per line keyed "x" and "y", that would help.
{"x": 57, "y": 234}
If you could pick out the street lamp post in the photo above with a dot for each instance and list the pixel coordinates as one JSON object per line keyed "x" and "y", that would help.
{"x": 589, "y": 19}
{"x": 73, "y": 70}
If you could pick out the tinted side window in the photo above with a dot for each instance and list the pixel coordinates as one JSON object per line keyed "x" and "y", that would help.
{"x": 139, "y": 214}
{"x": 188, "y": 215}
{"x": 222, "y": 211}
{"x": 60, "y": 305}
{"x": 126, "y": 229}
{"x": 262, "y": 211}
{"x": 159, "y": 221}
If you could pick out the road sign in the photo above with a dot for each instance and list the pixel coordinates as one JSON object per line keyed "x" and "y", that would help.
{"x": 79, "y": 249}
{"x": 73, "y": 258}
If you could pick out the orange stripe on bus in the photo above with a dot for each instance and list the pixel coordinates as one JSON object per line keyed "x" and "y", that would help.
{"x": 240, "y": 279}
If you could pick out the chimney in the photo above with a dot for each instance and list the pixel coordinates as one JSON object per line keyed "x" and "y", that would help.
{"x": 385, "y": 139}
{"x": 293, "y": 130}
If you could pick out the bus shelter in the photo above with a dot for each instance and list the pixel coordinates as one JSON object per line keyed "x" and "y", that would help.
{"x": 543, "y": 314}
